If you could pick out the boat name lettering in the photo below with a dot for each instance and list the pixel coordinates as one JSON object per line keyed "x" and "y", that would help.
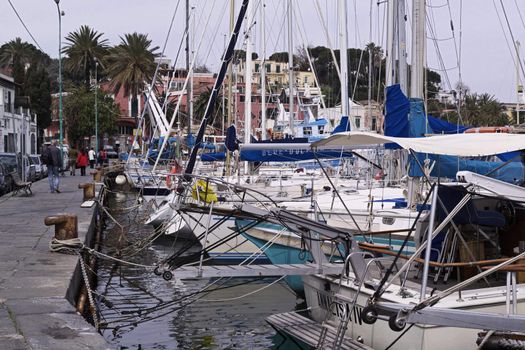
{"x": 340, "y": 310}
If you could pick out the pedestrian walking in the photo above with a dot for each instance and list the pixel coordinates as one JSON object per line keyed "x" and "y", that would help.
{"x": 82, "y": 162}
{"x": 72, "y": 161}
{"x": 91, "y": 156}
{"x": 51, "y": 157}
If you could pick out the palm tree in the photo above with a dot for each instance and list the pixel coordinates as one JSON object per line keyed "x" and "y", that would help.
{"x": 131, "y": 64}
{"x": 202, "y": 102}
{"x": 83, "y": 47}
{"x": 483, "y": 110}
{"x": 16, "y": 52}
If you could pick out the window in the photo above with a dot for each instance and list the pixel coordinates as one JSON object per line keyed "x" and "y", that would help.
{"x": 268, "y": 68}
{"x": 374, "y": 124}
{"x": 278, "y": 68}
{"x": 307, "y": 131}
{"x": 358, "y": 122}
{"x": 257, "y": 67}
{"x": 33, "y": 142}
{"x": 306, "y": 80}
{"x": 241, "y": 98}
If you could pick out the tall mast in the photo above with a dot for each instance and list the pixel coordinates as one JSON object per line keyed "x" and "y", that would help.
{"x": 218, "y": 82}
{"x": 401, "y": 46}
{"x": 418, "y": 49}
{"x": 188, "y": 91}
{"x": 230, "y": 70}
{"x": 263, "y": 71}
{"x": 519, "y": 86}
{"x": 343, "y": 37}
{"x": 290, "y": 68}
{"x": 248, "y": 76}
{"x": 389, "y": 71}
{"x": 230, "y": 81}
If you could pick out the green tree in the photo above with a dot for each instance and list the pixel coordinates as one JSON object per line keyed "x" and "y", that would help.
{"x": 38, "y": 89}
{"x": 83, "y": 47}
{"x": 79, "y": 112}
{"x": 131, "y": 64}
{"x": 16, "y": 55}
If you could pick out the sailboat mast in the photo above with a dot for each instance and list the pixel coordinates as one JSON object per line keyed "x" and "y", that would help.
{"x": 418, "y": 49}
{"x": 263, "y": 71}
{"x": 290, "y": 68}
{"x": 402, "y": 46}
{"x": 519, "y": 86}
{"x": 248, "y": 76}
{"x": 390, "y": 60}
{"x": 343, "y": 43}
{"x": 188, "y": 93}
{"x": 218, "y": 82}
{"x": 230, "y": 81}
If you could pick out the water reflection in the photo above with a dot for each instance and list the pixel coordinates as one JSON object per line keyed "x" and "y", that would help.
{"x": 178, "y": 317}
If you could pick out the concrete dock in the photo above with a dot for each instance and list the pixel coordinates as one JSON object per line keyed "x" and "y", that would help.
{"x": 34, "y": 313}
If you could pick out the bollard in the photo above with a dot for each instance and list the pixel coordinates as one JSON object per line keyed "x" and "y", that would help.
{"x": 65, "y": 225}
{"x": 89, "y": 190}
{"x": 97, "y": 175}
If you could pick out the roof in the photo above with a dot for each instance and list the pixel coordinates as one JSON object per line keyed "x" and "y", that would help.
{"x": 463, "y": 145}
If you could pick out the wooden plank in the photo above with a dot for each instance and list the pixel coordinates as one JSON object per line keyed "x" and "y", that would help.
{"x": 254, "y": 270}
{"x": 309, "y": 331}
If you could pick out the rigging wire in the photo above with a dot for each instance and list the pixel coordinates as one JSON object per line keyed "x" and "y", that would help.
{"x": 519, "y": 64}
{"x": 23, "y": 23}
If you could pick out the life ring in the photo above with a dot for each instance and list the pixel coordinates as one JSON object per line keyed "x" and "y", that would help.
{"x": 489, "y": 130}
{"x": 171, "y": 179}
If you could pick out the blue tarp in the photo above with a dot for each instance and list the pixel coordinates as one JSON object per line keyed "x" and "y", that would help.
{"x": 417, "y": 120}
{"x": 439, "y": 126}
{"x": 510, "y": 155}
{"x": 343, "y": 126}
{"x": 213, "y": 156}
{"x": 397, "y": 108}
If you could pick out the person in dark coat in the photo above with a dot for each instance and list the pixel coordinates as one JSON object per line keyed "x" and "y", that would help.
{"x": 54, "y": 166}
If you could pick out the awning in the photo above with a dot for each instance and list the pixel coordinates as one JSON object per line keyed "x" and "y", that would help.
{"x": 463, "y": 145}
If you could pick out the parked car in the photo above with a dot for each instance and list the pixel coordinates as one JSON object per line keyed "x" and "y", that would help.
{"x": 6, "y": 180}
{"x": 9, "y": 160}
{"x": 14, "y": 164}
{"x": 110, "y": 151}
{"x": 39, "y": 166}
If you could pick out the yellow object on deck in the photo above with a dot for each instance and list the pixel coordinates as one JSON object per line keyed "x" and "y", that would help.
{"x": 202, "y": 190}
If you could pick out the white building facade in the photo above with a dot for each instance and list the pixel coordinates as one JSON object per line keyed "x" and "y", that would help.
{"x": 18, "y": 127}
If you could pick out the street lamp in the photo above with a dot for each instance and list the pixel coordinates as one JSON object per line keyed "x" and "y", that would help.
{"x": 60, "y": 14}
{"x": 96, "y": 104}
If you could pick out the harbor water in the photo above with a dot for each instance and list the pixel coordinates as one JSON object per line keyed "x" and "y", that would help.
{"x": 141, "y": 310}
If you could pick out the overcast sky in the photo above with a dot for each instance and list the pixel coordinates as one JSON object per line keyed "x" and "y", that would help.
{"x": 487, "y": 64}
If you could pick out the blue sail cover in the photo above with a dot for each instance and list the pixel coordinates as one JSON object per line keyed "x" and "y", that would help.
{"x": 440, "y": 126}
{"x": 447, "y": 166}
{"x": 397, "y": 108}
{"x": 231, "y": 142}
{"x": 343, "y": 126}
{"x": 213, "y": 156}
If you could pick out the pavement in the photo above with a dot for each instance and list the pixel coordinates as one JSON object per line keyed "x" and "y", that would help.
{"x": 34, "y": 313}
